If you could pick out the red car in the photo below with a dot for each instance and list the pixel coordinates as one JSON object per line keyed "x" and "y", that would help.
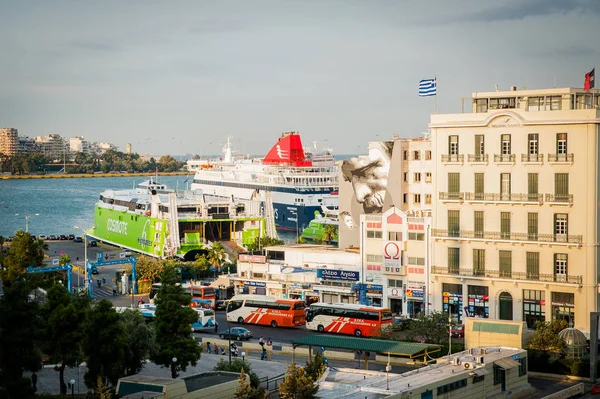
{"x": 458, "y": 331}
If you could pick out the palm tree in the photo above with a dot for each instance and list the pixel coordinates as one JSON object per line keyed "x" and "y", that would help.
{"x": 330, "y": 232}
{"x": 216, "y": 256}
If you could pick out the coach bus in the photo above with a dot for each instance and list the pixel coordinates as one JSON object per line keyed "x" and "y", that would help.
{"x": 346, "y": 318}
{"x": 197, "y": 292}
{"x": 259, "y": 309}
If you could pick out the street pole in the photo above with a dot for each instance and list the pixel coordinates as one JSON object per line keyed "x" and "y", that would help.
{"x": 229, "y": 339}
{"x": 85, "y": 258}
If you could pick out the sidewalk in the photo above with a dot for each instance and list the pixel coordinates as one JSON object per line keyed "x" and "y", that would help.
{"x": 48, "y": 378}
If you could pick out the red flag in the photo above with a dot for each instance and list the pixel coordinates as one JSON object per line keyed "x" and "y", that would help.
{"x": 589, "y": 80}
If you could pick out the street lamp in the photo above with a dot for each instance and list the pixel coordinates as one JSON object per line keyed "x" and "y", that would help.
{"x": 174, "y": 367}
{"x": 27, "y": 220}
{"x": 243, "y": 355}
{"x": 295, "y": 213}
{"x": 72, "y": 387}
{"x": 85, "y": 258}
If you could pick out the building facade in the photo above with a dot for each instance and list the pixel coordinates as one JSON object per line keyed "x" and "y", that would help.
{"x": 53, "y": 146}
{"x": 9, "y": 141}
{"x": 79, "y": 144}
{"x": 515, "y": 220}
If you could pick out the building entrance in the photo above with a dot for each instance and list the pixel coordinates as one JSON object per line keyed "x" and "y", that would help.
{"x": 506, "y": 306}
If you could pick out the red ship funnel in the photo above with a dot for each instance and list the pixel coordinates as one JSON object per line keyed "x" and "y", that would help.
{"x": 287, "y": 152}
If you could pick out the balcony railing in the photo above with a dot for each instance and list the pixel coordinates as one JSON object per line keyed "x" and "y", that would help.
{"x": 505, "y": 274}
{"x": 452, "y": 196}
{"x": 504, "y": 197}
{"x": 561, "y": 158}
{"x": 453, "y": 158}
{"x": 505, "y": 158}
{"x": 560, "y": 198}
{"x": 532, "y": 157}
{"x": 478, "y": 158}
{"x": 506, "y": 236}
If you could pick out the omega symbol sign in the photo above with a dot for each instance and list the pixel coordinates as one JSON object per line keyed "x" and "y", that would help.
{"x": 392, "y": 256}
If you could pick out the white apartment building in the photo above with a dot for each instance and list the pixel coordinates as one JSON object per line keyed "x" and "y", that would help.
{"x": 79, "y": 144}
{"x": 395, "y": 261}
{"x": 53, "y": 146}
{"x": 515, "y": 220}
{"x": 9, "y": 141}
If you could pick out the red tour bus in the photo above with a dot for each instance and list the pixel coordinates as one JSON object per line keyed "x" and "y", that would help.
{"x": 208, "y": 295}
{"x": 260, "y": 309}
{"x": 346, "y": 318}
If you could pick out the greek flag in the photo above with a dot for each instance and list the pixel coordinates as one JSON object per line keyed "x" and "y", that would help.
{"x": 428, "y": 87}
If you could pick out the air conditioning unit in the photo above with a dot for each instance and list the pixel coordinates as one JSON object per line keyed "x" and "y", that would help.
{"x": 455, "y": 360}
{"x": 479, "y": 359}
{"x": 468, "y": 365}
{"x": 483, "y": 351}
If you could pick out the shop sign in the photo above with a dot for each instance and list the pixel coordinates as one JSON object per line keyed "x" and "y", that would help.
{"x": 563, "y": 304}
{"x": 252, "y": 258}
{"x": 255, "y": 284}
{"x": 414, "y": 293}
{"x": 329, "y": 274}
{"x": 299, "y": 286}
{"x": 394, "y": 292}
{"x": 369, "y": 288}
{"x": 392, "y": 254}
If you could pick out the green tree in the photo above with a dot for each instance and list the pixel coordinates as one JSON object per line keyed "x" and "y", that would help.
{"x": 216, "y": 256}
{"x": 24, "y": 251}
{"x": 201, "y": 266}
{"x": 64, "y": 315}
{"x": 315, "y": 369}
{"x": 148, "y": 269}
{"x": 104, "y": 344}
{"x": 102, "y": 390}
{"x": 260, "y": 243}
{"x": 236, "y": 366}
{"x": 297, "y": 385}
{"x": 433, "y": 329}
{"x": 169, "y": 164}
{"x": 244, "y": 389}
{"x": 64, "y": 259}
{"x": 19, "y": 328}
{"x": 172, "y": 321}
{"x": 140, "y": 341}
{"x": 330, "y": 232}
{"x": 545, "y": 337}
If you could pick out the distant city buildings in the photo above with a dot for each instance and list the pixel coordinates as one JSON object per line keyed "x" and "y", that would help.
{"x": 9, "y": 141}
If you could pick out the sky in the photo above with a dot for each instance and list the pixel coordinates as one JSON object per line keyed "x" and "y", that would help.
{"x": 178, "y": 77}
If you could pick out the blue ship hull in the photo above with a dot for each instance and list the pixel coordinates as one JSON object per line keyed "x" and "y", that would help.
{"x": 285, "y": 216}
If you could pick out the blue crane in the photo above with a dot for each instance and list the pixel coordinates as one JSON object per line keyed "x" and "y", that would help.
{"x": 113, "y": 262}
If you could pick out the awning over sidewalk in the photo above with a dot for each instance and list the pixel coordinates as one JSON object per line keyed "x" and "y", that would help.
{"x": 407, "y": 349}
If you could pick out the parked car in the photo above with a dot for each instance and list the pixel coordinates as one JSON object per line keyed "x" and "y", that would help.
{"x": 238, "y": 333}
{"x": 78, "y": 239}
{"x": 93, "y": 243}
{"x": 94, "y": 270}
{"x": 42, "y": 237}
{"x": 71, "y": 236}
{"x": 221, "y": 305}
{"x": 52, "y": 237}
{"x": 458, "y": 331}
{"x": 63, "y": 237}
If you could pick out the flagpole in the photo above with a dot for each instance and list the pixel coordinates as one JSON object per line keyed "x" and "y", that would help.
{"x": 435, "y": 97}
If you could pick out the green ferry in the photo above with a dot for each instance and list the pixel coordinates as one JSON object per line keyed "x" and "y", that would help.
{"x": 156, "y": 221}
{"x": 314, "y": 231}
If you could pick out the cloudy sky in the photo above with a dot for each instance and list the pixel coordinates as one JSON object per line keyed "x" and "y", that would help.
{"x": 176, "y": 77}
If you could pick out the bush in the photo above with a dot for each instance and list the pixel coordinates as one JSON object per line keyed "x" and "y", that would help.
{"x": 236, "y": 366}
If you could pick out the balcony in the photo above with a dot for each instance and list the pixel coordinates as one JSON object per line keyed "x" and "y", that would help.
{"x": 505, "y": 197}
{"x": 559, "y": 199}
{"x": 508, "y": 275}
{"x": 506, "y": 236}
{"x": 536, "y": 159}
{"x": 561, "y": 158}
{"x": 478, "y": 158}
{"x": 452, "y": 197}
{"x": 453, "y": 158}
{"x": 505, "y": 158}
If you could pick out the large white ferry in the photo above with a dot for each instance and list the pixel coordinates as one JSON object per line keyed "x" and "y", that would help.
{"x": 295, "y": 182}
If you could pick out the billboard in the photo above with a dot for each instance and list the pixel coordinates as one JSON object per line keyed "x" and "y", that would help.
{"x": 329, "y": 274}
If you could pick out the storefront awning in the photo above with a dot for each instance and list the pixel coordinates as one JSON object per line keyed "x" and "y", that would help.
{"x": 337, "y": 290}
{"x": 507, "y": 363}
{"x": 480, "y": 371}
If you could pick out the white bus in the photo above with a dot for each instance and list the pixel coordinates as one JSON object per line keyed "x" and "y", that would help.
{"x": 260, "y": 309}
{"x": 347, "y": 318}
{"x": 206, "y": 319}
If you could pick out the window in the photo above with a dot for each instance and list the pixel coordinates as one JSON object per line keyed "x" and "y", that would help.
{"x": 505, "y": 263}
{"x": 374, "y": 258}
{"x": 561, "y": 225}
{"x": 416, "y": 236}
{"x": 554, "y": 103}
{"x": 453, "y": 260}
{"x": 502, "y": 103}
{"x": 405, "y": 177}
{"x": 505, "y": 186}
{"x": 427, "y": 155}
{"x": 394, "y": 236}
{"x": 505, "y": 146}
{"x": 478, "y": 378}
{"x": 416, "y": 155}
{"x": 451, "y": 387}
{"x": 533, "y": 265}
{"x": 500, "y": 377}
{"x": 533, "y": 147}
{"x": 479, "y": 186}
{"x": 454, "y": 223}
{"x": 532, "y": 226}
{"x": 561, "y": 267}
{"x": 405, "y": 155}
{"x": 428, "y": 177}
{"x": 428, "y": 198}
{"x": 479, "y": 262}
{"x": 534, "y": 307}
{"x": 395, "y": 283}
{"x": 417, "y": 198}
{"x": 563, "y": 307}
{"x": 561, "y": 143}
{"x": 505, "y": 225}
{"x": 453, "y": 145}
{"x": 405, "y": 198}
{"x": 479, "y": 146}
{"x": 417, "y": 177}
{"x": 532, "y": 187}
{"x": 416, "y": 261}
{"x": 478, "y": 224}
{"x": 522, "y": 366}
{"x": 482, "y": 105}
{"x": 535, "y": 103}
{"x": 561, "y": 187}
{"x": 373, "y": 234}
{"x": 454, "y": 183}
